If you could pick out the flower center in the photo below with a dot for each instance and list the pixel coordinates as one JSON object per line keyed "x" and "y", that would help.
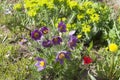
{"x": 55, "y": 39}
{"x": 61, "y": 55}
{"x": 45, "y": 31}
{"x": 71, "y": 43}
{"x": 36, "y": 35}
{"x": 42, "y": 63}
{"x": 61, "y": 27}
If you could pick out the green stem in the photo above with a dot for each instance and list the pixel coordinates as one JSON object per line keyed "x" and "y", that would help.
{"x": 71, "y": 18}
{"x": 111, "y": 67}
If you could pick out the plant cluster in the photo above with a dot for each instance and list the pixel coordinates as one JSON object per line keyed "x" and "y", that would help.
{"x": 69, "y": 39}
{"x": 57, "y": 51}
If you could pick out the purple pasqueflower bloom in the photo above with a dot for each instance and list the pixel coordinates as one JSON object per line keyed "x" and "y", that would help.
{"x": 23, "y": 41}
{"x": 41, "y": 64}
{"x": 44, "y": 30}
{"x": 47, "y": 43}
{"x": 62, "y": 55}
{"x": 62, "y": 27}
{"x": 72, "y": 42}
{"x": 56, "y": 40}
{"x": 36, "y": 35}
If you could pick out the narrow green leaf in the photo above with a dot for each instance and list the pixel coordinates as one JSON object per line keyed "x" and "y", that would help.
{"x": 91, "y": 45}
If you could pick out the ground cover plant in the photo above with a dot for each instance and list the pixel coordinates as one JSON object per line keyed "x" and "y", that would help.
{"x": 59, "y": 40}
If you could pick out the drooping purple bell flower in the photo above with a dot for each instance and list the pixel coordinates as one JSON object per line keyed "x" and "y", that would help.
{"x": 23, "y": 41}
{"x": 47, "y": 43}
{"x": 56, "y": 40}
{"x": 62, "y": 55}
{"x": 41, "y": 64}
{"x": 72, "y": 42}
{"x": 62, "y": 27}
{"x": 44, "y": 30}
{"x": 36, "y": 35}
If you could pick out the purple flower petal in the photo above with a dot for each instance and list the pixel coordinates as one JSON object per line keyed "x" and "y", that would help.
{"x": 37, "y": 64}
{"x": 68, "y": 55}
{"x": 56, "y": 40}
{"x": 47, "y": 43}
{"x": 61, "y": 27}
{"x": 41, "y": 64}
{"x": 40, "y": 68}
{"x": 44, "y": 30}
{"x": 61, "y": 61}
{"x": 36, "y": 35}
{"x": 71, "y": 33}
{"x": 38, "y": 59}
{"x": 62, "y": 55}
{"x": 23, "y": 41}
{"x": 72, "y": 42}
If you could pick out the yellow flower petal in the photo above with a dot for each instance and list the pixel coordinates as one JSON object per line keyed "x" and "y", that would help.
{"x": 79, "y": 36}
{"x": 113, "y": 47}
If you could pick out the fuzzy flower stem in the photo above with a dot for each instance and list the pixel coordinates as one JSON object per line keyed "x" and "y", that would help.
{"x": 52, "y": 23}
{"x": 69, "y": 21}
{"x": 112, "y": 67}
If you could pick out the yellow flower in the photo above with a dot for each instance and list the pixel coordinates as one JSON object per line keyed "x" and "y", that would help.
{"x": 42, "y": 2}
{"x": 79, "y": 17}
{"x": 103, "y": 8}
{"x": 119, "y": 19}
{"x": 17, "y": 6}
{"x": 86, "y": 28}
{"x": 81, "y": 7}
{"x": 113, "y": 47}
{"x": 90, "y": 11}
{"x": 79, "y": 36}
{"x": 50, "y": 5}
{"x": 63, "y": 19}
{"x": 87, "y": 4}
{"x": 32, "y": 13}
{"x": 72, "y": 4}
{"x": 68, "y": 26}
{"x": 94, "y": 17}
{"x": 56, "y": 24}
{"x": 73, "y": 26}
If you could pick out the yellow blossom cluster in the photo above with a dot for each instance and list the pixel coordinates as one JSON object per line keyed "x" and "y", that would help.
{"x": 72, "y": 3}
{"x": 88, "y": 12}
{"x": 32, "y": 6}
{"x": 86, "y": 28}
{"x": 17, "y": 6}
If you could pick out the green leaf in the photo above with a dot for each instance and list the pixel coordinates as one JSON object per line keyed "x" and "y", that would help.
{"x": 91, "y": 45}
{"x": 119, "y": 78}
{"x": 112, "y": 34}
